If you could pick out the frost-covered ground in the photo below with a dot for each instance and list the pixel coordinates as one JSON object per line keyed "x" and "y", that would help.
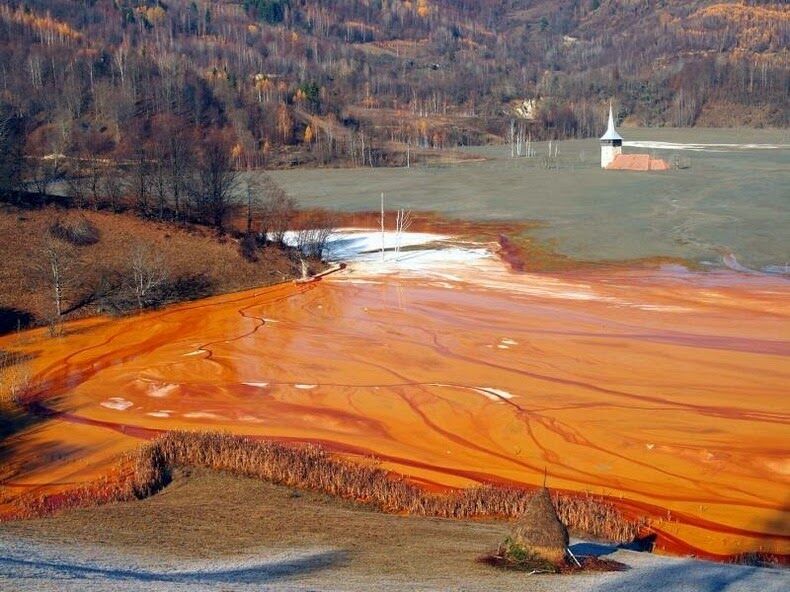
{"x": 409, "y": 254}
{"x": 28, "y": 566}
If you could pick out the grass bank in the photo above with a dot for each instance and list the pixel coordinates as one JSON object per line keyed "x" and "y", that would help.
{"x": 150, "y": 468}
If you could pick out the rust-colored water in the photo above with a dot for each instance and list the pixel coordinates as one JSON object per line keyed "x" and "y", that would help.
{"x": 666, "y": 389}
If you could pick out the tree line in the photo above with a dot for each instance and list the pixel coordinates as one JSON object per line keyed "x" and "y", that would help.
{"x": 289, "y": 82}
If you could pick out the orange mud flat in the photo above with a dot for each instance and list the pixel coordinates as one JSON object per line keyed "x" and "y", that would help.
{"x": 665, "y": 390}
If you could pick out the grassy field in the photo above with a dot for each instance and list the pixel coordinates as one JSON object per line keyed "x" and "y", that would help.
{"x": 728, "y": 200}
{"x": 187, "y": 522}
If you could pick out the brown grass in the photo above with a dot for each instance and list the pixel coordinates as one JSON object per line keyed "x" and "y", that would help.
{"x": 198, "y": 262}
{"x": 148, "y": 469}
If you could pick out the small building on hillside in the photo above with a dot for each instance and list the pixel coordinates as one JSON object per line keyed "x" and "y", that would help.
{"x": 613, "y": 159}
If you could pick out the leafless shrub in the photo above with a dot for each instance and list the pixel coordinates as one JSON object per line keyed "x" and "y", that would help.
{"x": 277, "y": 211}
{"x": 79, "y": 231}
{"x": 55, "y": 266}
{"x": 148, "y": 274}
{"x": 248, "y": 247}
{"x": 15, "y": 377}
{"x": 316, "y": 229}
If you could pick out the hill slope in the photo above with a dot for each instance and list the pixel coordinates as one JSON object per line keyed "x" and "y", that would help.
{"x": 298, "y": 81}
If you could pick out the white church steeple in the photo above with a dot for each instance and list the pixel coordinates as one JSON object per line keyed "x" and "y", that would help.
{"x": 611, "y": 142}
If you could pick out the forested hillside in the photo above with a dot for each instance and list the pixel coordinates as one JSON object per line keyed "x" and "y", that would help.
{"x": 284, "y": 82}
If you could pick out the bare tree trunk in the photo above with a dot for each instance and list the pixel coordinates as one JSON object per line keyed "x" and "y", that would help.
{"x": 249, "y": 208}
{"x": 382, "y": 226}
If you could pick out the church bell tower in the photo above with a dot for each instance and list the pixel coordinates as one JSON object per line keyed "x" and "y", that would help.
{"x": 611, "y": 142}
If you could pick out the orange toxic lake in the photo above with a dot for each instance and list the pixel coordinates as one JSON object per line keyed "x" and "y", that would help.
{"x": 665, "y": 390}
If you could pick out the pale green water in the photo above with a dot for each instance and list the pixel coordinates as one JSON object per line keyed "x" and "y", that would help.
{"x": 734, "y": 200}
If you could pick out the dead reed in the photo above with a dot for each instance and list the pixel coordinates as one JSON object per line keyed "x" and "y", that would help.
{"x": 148, "y": 469}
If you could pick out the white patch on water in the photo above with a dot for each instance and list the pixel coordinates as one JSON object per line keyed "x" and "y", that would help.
{"x": 250, "y": 419}
{"x": 159, "y": 390}
{"x": 256, "y": 384}
{"x": 197, "y": 352}
{"x": 159, "y": 413}
{"x": 117, "y": 403}
{"x": 203, "y": 415}
{"x": 730, "y": 261}
{"x": 661, "y": 307}
{"x": 502, "y": 346}
{"x": 508, "y": 341}
{"x": 698, "y": 147}
{"x": 493, "y": 393}
{"x": 305, "y": 387}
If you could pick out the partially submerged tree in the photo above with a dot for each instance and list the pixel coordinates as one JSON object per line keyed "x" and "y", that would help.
{"x": 403, "y": 222}
{"x": 277, "y": 210}
{"x": 316, "y": 229}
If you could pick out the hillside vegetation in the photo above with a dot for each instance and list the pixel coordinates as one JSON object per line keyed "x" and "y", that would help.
{"x": 63, "y": 264}
{"x": 357, "y": 81}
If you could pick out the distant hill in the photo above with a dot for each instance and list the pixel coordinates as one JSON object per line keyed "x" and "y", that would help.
{"x": 357, "y": 81}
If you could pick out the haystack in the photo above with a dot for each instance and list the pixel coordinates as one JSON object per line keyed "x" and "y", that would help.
{"x": 539, "y": 529}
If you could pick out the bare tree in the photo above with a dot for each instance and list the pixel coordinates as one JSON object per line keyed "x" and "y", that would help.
{"x": 278, "y": 210}
{"x": 44, "y": 171}
{"x": 113, "y": 185}
{"x": 55, "y": 267}
{"x": 311, "y": 239}
{"x": 77, "y": 189}
{"x": 11, "y": 142}
{"x": 140, "y": 178}
{"x": 252, "y": 189}
{"x": 217, "y": 181}
{"x": 403, "y": 221}
{"x": 382, "y": 226}
{"x": 148, "y": 273}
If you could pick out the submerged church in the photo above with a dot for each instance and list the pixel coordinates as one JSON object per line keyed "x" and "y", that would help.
{"x": 612, "y": 157}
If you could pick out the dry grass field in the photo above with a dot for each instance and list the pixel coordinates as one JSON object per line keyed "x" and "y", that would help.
{"x": 212, "y": 531}
{"x": 195, "y": 261}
